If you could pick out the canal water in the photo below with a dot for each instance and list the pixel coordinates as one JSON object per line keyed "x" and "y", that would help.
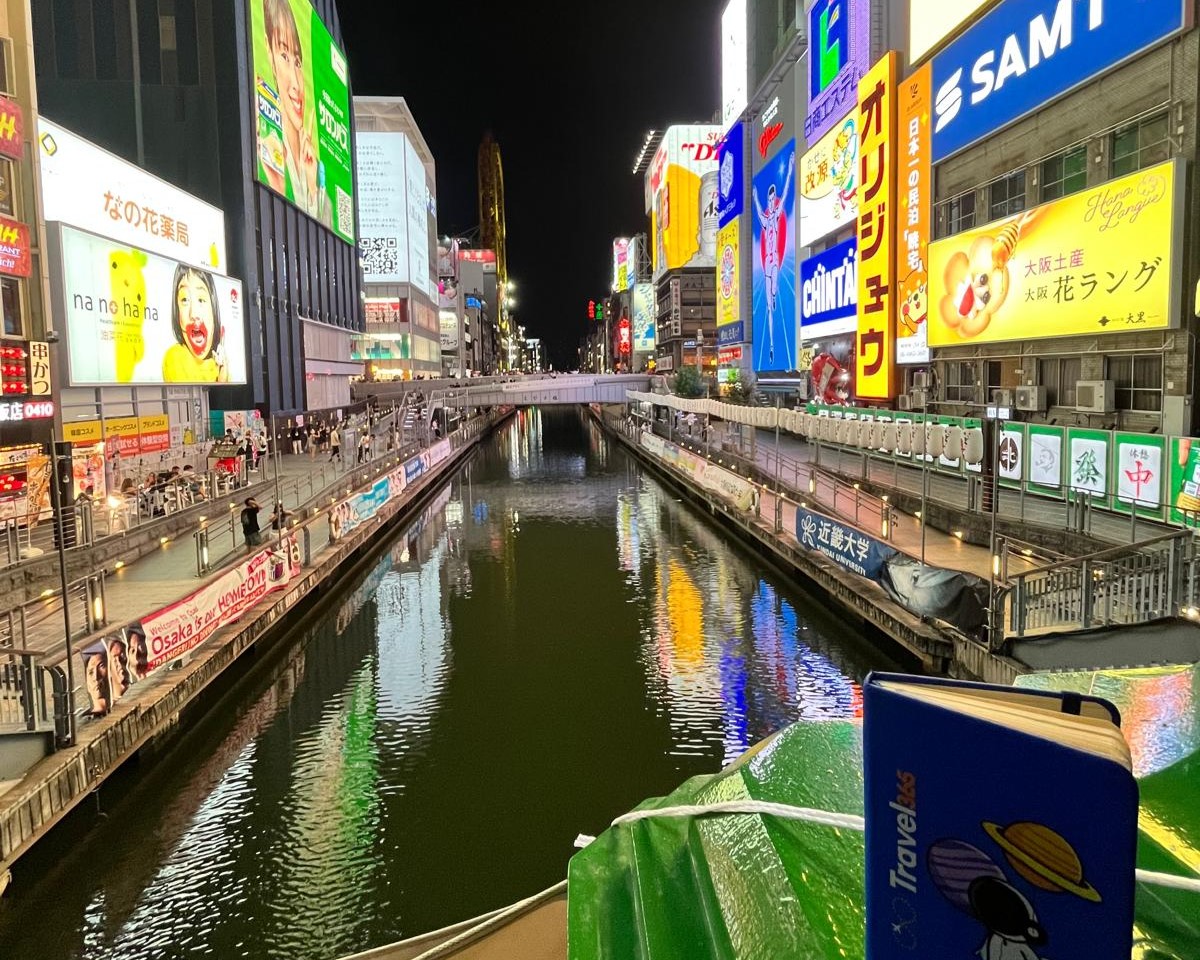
{"x": 556, "y": 638}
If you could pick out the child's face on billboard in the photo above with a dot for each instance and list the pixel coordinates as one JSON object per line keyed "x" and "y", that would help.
{"x": 195, "y": 314}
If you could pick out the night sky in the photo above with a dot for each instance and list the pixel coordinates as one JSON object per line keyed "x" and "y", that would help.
{"x": 569, "y": 96}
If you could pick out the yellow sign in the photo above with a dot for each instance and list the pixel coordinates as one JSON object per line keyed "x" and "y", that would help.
{"x": 157, "y": 423}
{"x": 82, "y": 431}
{"x": 875, "y": 347}
{"x": 728, "y": 272}
{"x": 121, "y": 427}
{"x": 1104, "y": 260}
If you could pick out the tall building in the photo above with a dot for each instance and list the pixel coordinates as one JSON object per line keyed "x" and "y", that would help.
{"x": 398, "y": 223}
{"x": 492, "y": 236}
{"x": 246, "y": 105}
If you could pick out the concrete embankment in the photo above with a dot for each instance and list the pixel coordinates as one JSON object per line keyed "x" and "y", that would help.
{"x": 938, "y": 647}
{"x": 55, "y": 785}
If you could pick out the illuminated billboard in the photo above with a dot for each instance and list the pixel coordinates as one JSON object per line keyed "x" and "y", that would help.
{"x": 773, "y": 277}
{"x": 682, "y": 191}
{"x": 1105, "y": 260}
{"x": 643, "y": 318}
{"x": 136, "y": 317}
{"x": 1023, "y": 54}
{"x": 302, "y": 110}
{"x": 829, "y": 183}
{"x": 382, "y": 207}
{"x": 839, "y": 53}
{"x": 728, "y": 276}
{"x": 620, "y": 279}
{"x": 915, "y": 170}
{"x": 734, "y": 63}
{"x": 94, "y": 190}
{"x": 931, "y": 21}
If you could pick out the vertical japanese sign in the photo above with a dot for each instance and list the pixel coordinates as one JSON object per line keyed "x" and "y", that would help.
{"x": 875, "y": 348}
{"x": 1139, "y": 473}
{"x": 912, "y": 223}
{"x": 39, "y": 368}
{"x": 727, "y": 274}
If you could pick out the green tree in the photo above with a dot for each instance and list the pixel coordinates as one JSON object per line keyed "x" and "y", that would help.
{"x": 688, "y": 382}
{"x": 736, "y": 389}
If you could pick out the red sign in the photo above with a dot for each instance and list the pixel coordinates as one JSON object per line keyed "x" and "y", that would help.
{"x": 478, "y": 256}
{"x": 624, "y": 336}
{"x": 386, "y": 310}
{"x": 12, "y": 128}
{"x": 767, "y": 137}
{"x": 15, "y": 258}
{"x": 729, "y": 355}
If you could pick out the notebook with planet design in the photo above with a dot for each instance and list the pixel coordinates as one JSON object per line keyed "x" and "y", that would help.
{"x": 1001, "y": 823}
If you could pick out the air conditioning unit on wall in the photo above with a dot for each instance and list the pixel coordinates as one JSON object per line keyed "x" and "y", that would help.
{"x": 1031, "y": 399}
{"x": 1002, "y": 398}
{"x": 918, "y": 399}
{"x": 903, "y": 402}
{"x": 1094, "y": 396}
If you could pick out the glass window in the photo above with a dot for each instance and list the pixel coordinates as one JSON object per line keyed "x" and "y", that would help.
{"x": 10, "y": 300}
{"x": 1137, "y": 382}
{"x": 958, "y": 214}
{"x": 5, "y": 85}
{"x": 961, "y": 381}
{"x": 1142, "y": 143}
{"x": 1070, "y": 369}
{"x": 1064, "y": 174}
{"x": 8, "y": 189}
{"x": 1048, "y": 371}
{"x": 1007, "y": 196}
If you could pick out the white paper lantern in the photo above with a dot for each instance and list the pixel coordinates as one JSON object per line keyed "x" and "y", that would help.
{"x": 935, "y": 439}
{"x": 973, "y": 445}
{"x": 954, "y": 443}
{"x": 890, "y": 435}
{"x": 904, "y": 438}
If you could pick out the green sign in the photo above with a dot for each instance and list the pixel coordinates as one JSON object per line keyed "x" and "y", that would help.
{"x": 1088, "y": 464}
{"x": 302, "y": 105}
{"x": 1185, "y": 481}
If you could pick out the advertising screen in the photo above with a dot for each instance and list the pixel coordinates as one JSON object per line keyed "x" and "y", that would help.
{"x": 382, "y": 207}
{"x": 302, "y": 110}
{"x": 875, "y": 354}
{"x": 1024, "y": 54}
{"x": 135, "y": 317}
{"x": 931, "y": 21}
{"x": 620, "y": 279}
{"x": 734, "y": 64}
{"x": 839, "y": 52}
{"x": 773, "y": 255}
{"x": 91, "y": 189}
{"x": 643, "y": 318}
{"x": 728, "y": 275}
{"x": 829, "y": 291}
{"x": 829, "y": 183}
{"x": 681, "y": 186}
{"x": 1104, "y": 260}
{"x": 915, "y": 216}
{"x": 419, "y": 237}
{"x": 731, "y": 173}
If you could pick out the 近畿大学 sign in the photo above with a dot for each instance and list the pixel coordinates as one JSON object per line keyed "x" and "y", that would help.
{"x": 1026, "y": 53}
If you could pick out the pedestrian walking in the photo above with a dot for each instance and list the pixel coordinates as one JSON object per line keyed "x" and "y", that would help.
{"x": 364, "y": 448}
{"x": 297, "y": 438}
{"x": 250, "y": 529}
{"x": 335, "y": 446}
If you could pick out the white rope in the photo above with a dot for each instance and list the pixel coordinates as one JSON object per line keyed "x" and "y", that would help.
{"x": 847, "y": 821}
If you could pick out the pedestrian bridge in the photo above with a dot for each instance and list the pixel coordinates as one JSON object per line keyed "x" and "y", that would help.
{"x": 524, "y": 391}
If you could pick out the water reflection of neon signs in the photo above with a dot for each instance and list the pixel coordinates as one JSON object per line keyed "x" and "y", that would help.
{"x": 1160, "y": 708}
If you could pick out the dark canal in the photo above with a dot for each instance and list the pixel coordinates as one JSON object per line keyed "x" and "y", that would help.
{"x": 556, "y": 638}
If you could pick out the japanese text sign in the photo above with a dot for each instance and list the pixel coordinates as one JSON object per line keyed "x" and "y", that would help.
{"x": 829, "y": 182}
{"x": 1105, "y": 260}
{"x": 39, "y": 368}
{"x": 728, "y": 270}
{"x": 914, "y": 192}
{"x": 875, "y": 349}
{"x": 843, "y": 544}
{"x": 839, "y": 50}
{"x": 87, "y": 187}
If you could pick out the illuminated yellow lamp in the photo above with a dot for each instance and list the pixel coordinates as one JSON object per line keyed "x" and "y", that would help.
{"x": 163, "y": 541}
{"x": 959, "y": 534}
{"x": 119, "y": 565}
{"x": 47, "y": 593}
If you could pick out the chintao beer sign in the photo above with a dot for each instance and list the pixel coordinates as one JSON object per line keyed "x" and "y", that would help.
{"x": 1105, "y": 260}
{"x": 1026, "y": 53}
{"x": 913, "y": 218}
{"x": 829, "y": 291}
{"x": 875, "y": 347}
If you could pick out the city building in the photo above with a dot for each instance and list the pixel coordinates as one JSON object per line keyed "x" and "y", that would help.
{"x": 225, "y": 121}
{"x": 397, "y": 216}
{"x": 479, "y": 293}
{"x": 681, "y": 200}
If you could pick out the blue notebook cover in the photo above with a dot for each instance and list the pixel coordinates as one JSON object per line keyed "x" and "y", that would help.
{"x": 985, "y": 843}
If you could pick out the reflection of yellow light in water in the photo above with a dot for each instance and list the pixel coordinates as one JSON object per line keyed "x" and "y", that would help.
{"x": 685, "y": 615}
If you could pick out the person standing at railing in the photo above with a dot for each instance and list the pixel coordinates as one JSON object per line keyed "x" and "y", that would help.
{"x": 335, "y": 445}
{"x": 251, "y": 532}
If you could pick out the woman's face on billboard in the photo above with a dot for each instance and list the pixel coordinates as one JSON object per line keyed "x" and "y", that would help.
{"x": 288, "y": 63}
{"x": 195, "y": 314}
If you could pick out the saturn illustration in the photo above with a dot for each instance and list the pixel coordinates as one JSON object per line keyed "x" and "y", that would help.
{"x": 1042, "y": 857}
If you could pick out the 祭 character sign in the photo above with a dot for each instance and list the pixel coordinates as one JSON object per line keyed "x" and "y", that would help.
{"x": 774, "y": 276}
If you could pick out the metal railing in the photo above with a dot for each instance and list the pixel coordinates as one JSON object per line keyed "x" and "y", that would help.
{"x": 26, "y": 693}
{"x": 1126, "y": 585}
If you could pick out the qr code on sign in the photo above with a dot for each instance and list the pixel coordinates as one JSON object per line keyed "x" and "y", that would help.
{"x": 380, "y": 255}
{"x": 345, "y": 212}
